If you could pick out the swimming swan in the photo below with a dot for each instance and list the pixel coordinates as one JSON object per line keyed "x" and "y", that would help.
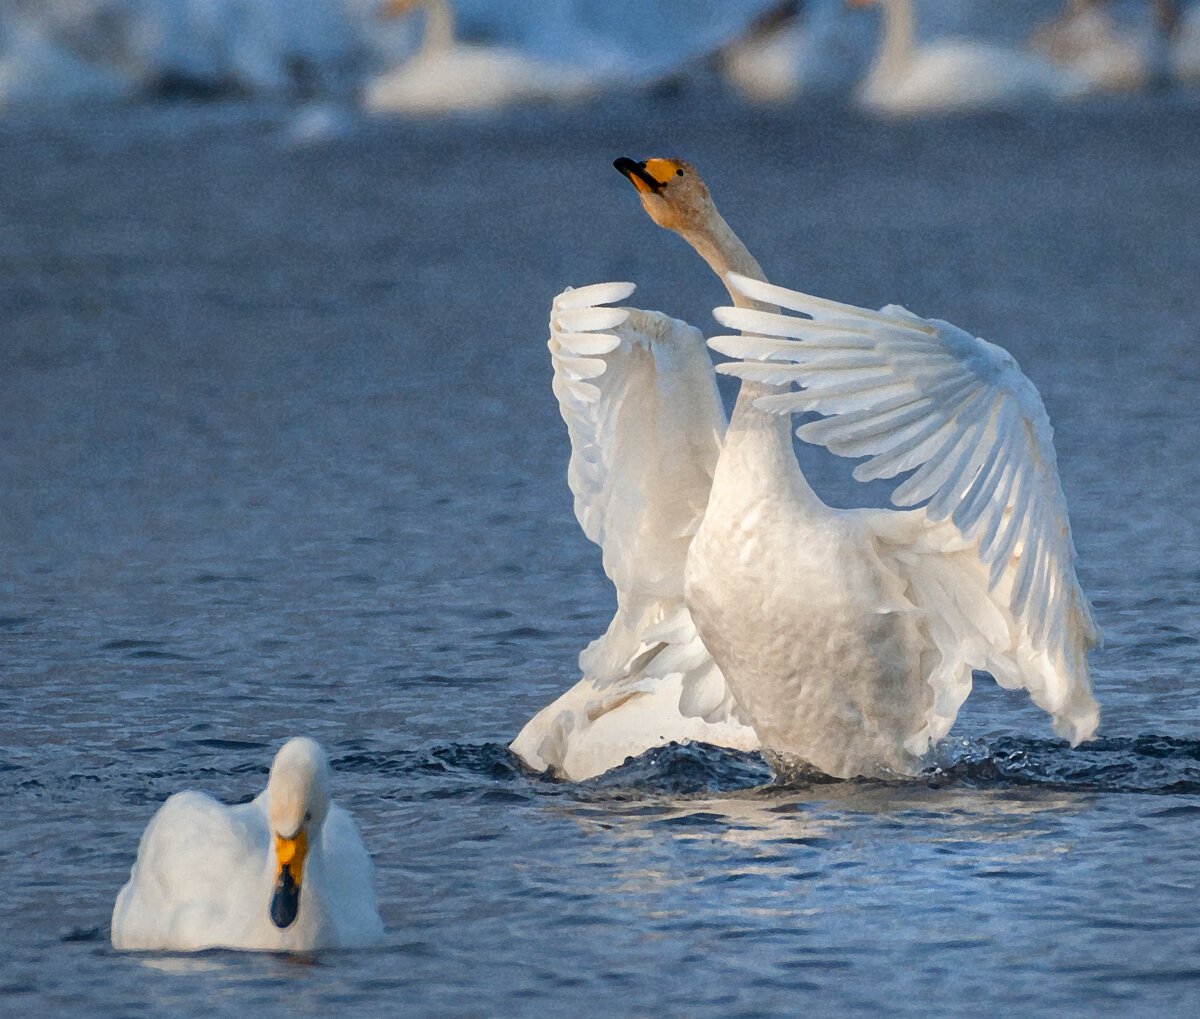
{"x": 955, "y": 74}
{"x": 844, "y": 638}
{"x": 766, "y": 65}
{"x": 447, "y": 75}
{"x": 285, "y": 872}
{"x": 1086, "y": 40}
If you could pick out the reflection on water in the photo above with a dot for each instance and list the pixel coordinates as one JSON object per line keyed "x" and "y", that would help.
{"x": 182, "y": 965}
{"x": 763, "y": 846}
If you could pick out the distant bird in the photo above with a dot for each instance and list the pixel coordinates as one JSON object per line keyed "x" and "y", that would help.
{"x": 845, "y": 639}
{"x": 953, "y": 74}
{"x": 285, "y": 872}
{"x": 766, "y": 64}
{"x": 1185, "y": 45}
{"x": 446, "y": 75}
{"x": 1088, "y": 42}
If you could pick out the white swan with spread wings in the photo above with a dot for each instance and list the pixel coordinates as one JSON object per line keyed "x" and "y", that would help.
{"x": 749, "y": 612}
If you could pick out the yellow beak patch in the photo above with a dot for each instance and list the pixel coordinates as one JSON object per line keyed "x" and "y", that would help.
{"x": 289, "y": 856}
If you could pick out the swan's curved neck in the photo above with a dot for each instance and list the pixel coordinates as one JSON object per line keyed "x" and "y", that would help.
{"x": 898, "y": 42}
{"x": 724, "y": 252}
{"x": 757, "y": 455}
{"x": 439, "y": 26}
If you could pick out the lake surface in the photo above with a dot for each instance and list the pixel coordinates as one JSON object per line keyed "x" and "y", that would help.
{"x": 278, "y": 456}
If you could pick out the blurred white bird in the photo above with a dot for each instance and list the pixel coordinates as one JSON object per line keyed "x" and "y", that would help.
{"x": 766, "y": 64}
{"x": 953, "y": 74}
{"x": 845, "y": 639}
{"x": 1086, "y": 40}
{"x": 446, "y": 75}
{"x": 285, "y": 872}
{"x": 1185, "y": 47}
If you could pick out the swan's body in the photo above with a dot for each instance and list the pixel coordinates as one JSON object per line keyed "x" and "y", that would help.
{"x": 767, "y": 64}
{"x": 954, "y": 74}
{"x": 846, "y": 639}
{"x": 285, "y": 872}
{"x": 446, "y": 75}
{"x": 1087, "y": 41}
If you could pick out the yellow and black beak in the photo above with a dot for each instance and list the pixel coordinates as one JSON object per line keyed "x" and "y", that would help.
{"x": 649, "y": 177}
{"x": 289, "y": 856}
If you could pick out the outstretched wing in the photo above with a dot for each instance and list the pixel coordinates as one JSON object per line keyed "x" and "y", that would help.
{"x": 639, "y": 397}
{"x": 922, "y": 395}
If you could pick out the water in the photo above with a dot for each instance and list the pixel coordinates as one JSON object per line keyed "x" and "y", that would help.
{"x": 279, "y": 456}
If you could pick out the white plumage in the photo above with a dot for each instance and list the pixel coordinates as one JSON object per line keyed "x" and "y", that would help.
{"x": 1185, "y": 51}
{"x": 953, "y": 74}
{"x": 846, "y": 639}
{"x": 446, "y": 75}
{"x": 210, "y": 876}
{"x": 639, "y": 397}
{"x": 1089, "y": 42}
{"x": 921, "y": 395}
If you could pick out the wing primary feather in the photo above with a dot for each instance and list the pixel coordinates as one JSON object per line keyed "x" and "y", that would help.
{"x": 919, "y": 395}
{"x": 806, "y": 304}
{"x": 932, "y": 476}
{"x": 980, "y": 493}
{"x": 589, "y": 320}
{"x": 587, "y": 344}
{"x": 908, "y": 454}
{"x": 594, "y": 293}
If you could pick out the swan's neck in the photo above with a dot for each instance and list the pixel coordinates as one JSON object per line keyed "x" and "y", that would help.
{"x": 439, "y": 27}
{"x": 898, "y": 42}
{"x": 757, "y": 452}
{"x": 724, "y": 252}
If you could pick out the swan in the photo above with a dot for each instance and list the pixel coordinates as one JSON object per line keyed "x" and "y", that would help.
{"x": 955, "y": 74}
{"x": 841, "y": 639}
{"x": 286, "y": 872}
{"x": 1184, "y": 56}
{"x": 1085, "y": 40}
{"x": 446, "y": 75}
{"x": 766, "y": 65}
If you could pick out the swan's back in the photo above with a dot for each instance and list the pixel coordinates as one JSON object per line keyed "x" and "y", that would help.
{"x": 197, "y": 881}
{"x": 342, "y": 876}
{"x": 472, "y": 79}
{"x": 960, "y": 74}
{"x": 1090, "y": 44}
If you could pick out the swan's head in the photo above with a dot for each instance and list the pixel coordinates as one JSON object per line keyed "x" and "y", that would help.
{"x": 297, "y": 801}
{"x": 672, "y": 192}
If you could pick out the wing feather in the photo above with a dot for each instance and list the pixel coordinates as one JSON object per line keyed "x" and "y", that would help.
{"x": 920, "y": 395}
{"x": 639, "y": 398}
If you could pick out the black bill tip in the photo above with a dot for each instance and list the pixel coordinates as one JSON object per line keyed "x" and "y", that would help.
{"x": 285, "y": 903}
{"x": 635, "y": 172}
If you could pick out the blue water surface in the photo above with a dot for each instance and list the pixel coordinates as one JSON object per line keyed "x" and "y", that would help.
{"x": 278, "y": 455}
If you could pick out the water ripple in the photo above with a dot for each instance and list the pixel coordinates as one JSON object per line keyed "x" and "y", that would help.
{"x": 1140, "y": 764}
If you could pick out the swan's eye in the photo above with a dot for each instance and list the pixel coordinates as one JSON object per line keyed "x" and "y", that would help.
{"x": 308, "y": 815}
{"x": 678, "y": 173}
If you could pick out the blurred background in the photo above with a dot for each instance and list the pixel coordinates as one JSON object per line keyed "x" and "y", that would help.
{"x": 366, "y": 51}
